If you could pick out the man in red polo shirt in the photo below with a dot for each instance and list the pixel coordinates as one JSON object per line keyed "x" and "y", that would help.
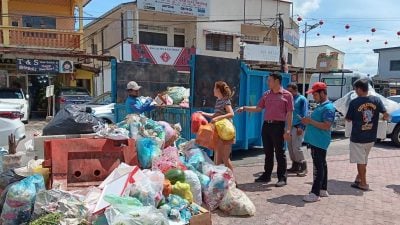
{"x": 277, "y": 125}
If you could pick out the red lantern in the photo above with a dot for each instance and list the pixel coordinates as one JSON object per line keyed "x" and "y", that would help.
{"x": 333, "y": 37}
{"x": 318, "y": 34}
{"x": 373, "y": 31}
{"x": 303, "y": 31}
{"x": 398, "y": 33}
{"x": 367, "y": 40}
{"x": 386, "y": 42}
{"x": 299, "y": 19}
{"x": 321, "y": 22}
{"x": 350, "y": 39}
{"x": 347, "y": 26}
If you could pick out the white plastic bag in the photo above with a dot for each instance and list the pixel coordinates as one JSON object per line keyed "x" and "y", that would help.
{"x": 221, "y": 180}
{"x": 140, "y": 216}
{"x": 148, "y": 189}
{"x": 195, "y": 186}
{"x": 236, "y": 203}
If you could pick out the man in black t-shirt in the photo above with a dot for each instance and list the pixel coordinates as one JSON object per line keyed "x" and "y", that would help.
{"x": 363, "y": 112}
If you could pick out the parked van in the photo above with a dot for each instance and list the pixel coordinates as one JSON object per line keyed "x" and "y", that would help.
{"x": 339, "y": 83}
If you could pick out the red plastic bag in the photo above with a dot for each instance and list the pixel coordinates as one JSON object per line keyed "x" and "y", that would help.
{"x": 197, "y": 121}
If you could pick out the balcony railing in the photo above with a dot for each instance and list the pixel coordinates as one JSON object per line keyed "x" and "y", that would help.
{"x": 43, "y": 38}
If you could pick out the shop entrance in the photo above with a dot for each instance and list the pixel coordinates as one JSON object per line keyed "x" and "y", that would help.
{"x": 37, "y": 89}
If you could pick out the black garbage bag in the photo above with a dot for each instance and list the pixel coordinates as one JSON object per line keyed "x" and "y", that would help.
{"x": 72, "y": 119}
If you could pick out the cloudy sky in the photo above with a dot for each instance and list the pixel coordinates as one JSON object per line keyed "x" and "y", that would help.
{"x": 361, "y": 15}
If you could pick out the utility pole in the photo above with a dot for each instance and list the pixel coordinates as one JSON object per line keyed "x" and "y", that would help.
{"x": 307, "y": 28}
{"x": 122, "y": 37}
{"x": 281, "y": 42}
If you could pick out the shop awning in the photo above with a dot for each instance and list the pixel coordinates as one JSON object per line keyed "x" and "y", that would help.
{"x": 223, "y": 33}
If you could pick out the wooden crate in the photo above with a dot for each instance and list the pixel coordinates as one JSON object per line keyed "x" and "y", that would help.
{"x": 204, "y": 218}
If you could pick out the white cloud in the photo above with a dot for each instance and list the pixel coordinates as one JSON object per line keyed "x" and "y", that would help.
{"x": 304, "y": 7}
{"x": 366, "y": 63}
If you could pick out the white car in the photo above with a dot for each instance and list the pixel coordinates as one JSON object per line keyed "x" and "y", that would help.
{"x": 395, "y": 98}
{"x": 16, "y": 96}
{"x": 102, "y": 107}
{"x": 8, "y": 127}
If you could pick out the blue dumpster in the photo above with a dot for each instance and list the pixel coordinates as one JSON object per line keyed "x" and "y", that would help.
{"x": 253, "y": 83}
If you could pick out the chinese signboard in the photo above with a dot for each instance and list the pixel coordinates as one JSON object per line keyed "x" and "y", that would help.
{"x": 38, "y": 65}
{"x": 198, "y": 8}
{"x": 162, "y": 55}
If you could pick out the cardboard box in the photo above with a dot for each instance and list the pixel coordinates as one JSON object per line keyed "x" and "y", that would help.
{"x": 204, "y": 218}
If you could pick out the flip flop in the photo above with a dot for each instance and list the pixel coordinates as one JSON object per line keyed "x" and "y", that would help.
{"x": 358, "y": 186}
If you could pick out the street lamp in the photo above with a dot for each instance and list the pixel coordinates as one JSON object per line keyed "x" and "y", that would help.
{"x": 307, "y": 28}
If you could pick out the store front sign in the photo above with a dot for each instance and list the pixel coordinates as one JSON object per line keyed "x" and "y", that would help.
{"x": 38, "y": 66}
{"x": 262, "y": 53}
{"x": 198, "y": 8}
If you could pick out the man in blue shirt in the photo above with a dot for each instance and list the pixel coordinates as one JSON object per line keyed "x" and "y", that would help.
{"x": 299, "y": 164}
{"x": 133, "y": 104}
{"x": 318, "y": 136}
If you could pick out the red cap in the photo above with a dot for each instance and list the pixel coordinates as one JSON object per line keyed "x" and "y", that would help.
{"x": 317, "y": 86}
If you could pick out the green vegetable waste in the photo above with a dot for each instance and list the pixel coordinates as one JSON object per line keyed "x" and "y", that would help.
{"x": 175, "y": 175}
{"x": 49, "y": 219}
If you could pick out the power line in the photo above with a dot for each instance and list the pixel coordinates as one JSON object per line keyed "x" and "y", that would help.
{"x": 146, "y": 20}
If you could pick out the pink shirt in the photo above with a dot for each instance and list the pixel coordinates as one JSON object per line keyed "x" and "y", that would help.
{"x": 277, "y": 105}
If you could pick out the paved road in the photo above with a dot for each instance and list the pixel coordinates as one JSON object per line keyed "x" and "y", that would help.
{"x": 345, "y": 205}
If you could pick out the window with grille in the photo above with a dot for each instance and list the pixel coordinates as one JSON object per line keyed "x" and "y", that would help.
{"x": 39, "y": 22}
{"x": 179, "y": 40}
{"x": 218, "y": 42}
{"x": 395, "y": 65}
{"x": 150, "y": 38}
{"x": 289, "y": 58}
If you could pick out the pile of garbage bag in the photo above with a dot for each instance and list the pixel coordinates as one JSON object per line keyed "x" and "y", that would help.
{"x": 170, "y": 183}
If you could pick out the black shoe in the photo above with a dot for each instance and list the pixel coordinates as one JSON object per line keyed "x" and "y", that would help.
{"x": 303, "y": 170}
{"x": 264, "y": 178}
{"x": 281, "y": 183}
{"x": 295, "y": 168}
